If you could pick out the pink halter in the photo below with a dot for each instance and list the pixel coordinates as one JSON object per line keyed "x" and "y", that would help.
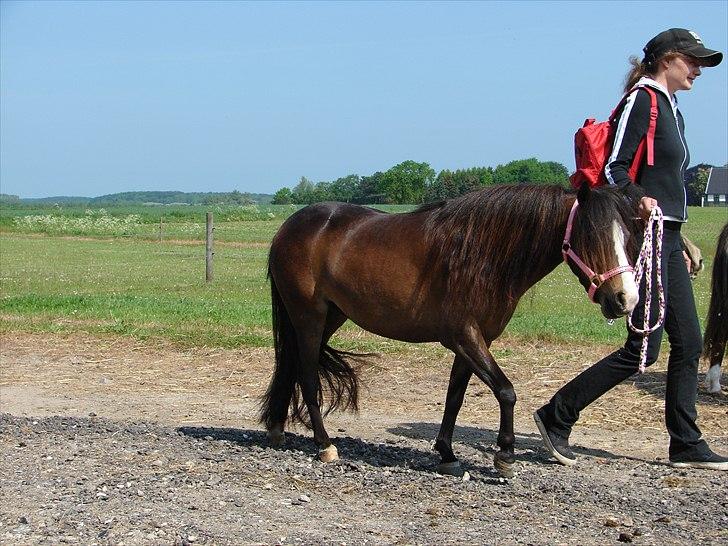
{"x": 595, "y": 279}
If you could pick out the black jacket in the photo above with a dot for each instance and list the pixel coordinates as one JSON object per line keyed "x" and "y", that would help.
{"x": 664, "y": 180}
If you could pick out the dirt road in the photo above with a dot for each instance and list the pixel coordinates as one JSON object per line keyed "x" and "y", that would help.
{"x": 113, "y": 441}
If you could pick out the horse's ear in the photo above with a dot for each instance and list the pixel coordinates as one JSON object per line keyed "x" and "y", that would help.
{"x": 584, "y": 192}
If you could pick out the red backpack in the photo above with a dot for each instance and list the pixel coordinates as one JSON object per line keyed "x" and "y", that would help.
{"x": 593, "y": 144}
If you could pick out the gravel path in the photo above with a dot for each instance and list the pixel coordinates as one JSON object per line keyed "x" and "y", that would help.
{"x": 126, "y": 479}
{"x": 75, "y": 480}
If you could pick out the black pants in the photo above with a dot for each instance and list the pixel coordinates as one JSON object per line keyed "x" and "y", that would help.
{"x": 683, "y": 333}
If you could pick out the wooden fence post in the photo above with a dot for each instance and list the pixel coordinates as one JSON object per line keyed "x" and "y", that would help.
{"x": 208, "y": 249}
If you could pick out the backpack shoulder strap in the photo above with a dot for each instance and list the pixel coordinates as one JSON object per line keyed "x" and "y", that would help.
{"x": 652, "y": 127}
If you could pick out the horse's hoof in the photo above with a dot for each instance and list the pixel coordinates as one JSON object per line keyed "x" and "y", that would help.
{"x": 276, "y": 438}
{"x": 712, "y": 380}
{"x": 713, "y": 388}
{"x": 504, "y": 468}
{"x": 328, "y": 454}
{"x": 450, "y": 469}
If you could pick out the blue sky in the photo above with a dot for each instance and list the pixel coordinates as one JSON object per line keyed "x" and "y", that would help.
{"x": 103, "y": 97}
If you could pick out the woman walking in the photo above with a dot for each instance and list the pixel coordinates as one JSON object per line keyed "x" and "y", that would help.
{"x": 672, "y": 61}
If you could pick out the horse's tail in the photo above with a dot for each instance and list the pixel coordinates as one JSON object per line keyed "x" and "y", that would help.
{"x": 336, "y": 374}
{"x": 275, "y": 401}
{"x": 716, "y": 329}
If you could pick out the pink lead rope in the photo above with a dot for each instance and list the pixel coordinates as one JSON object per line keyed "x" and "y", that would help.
{"x": 648, "y": 253}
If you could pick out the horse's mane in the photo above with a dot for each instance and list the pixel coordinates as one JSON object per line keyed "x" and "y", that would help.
{"x": 492, "y": 240}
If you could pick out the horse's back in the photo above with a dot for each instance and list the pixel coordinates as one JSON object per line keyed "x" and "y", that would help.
{"x": 309, "y": 235}
{"x": 321, "y": 220}
{"x": 372, "y": 265}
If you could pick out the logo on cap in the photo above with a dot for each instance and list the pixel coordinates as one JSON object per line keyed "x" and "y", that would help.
{"x": 695, "y": 35}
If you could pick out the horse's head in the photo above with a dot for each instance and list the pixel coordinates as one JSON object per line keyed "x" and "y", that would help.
{"x": 600, "y": 247}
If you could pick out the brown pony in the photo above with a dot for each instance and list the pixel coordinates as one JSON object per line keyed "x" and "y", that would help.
{"x": 451, "y": 272}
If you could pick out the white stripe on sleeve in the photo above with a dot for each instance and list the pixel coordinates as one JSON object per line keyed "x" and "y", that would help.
{"x": 619, "y": 134}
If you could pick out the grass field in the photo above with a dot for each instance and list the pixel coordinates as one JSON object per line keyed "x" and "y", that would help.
{"x": 85, "y": 277}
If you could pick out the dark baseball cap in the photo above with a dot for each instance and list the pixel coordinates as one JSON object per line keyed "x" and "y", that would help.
{"x": 683, "y": 41}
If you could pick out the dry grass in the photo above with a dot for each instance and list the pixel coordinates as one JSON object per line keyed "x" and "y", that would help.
{"x": 181, "y": 385}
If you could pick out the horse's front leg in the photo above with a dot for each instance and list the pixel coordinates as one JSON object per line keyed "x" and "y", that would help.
{"x": 473, "y": 348}
{"x": 506, "y": 396}
{"x": 459, "y": 378}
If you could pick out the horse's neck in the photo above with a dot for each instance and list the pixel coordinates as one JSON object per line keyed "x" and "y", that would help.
{"x": 551, "y": 256}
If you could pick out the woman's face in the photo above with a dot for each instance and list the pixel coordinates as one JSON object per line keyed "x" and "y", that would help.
{"x": 680, "y": 73}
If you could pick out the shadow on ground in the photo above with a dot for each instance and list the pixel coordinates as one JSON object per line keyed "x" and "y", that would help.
{"x": 529, "y": 447}
{"x": 352, "y": 451}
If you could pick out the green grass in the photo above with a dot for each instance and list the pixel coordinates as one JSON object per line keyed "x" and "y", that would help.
{"x": 250, "y": 223}
{"x": 139, "y": 288}
{"x": 149, "y": 289}
{"x": 703, "y": 228}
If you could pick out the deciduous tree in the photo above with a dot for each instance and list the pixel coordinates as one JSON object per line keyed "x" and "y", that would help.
{"x": 407, "y": 182}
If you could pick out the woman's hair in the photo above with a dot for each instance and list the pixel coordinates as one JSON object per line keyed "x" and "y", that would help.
{"x": 641, "y": 68}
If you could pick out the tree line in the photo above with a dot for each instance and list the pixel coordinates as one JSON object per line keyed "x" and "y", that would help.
{"x": 411, "y": 182}
{"x": 146, "y": 198}
{"x": 234, "y": 197}
{"x": 406, "y": 183}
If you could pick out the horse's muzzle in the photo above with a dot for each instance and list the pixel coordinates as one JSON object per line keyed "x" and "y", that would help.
{"x": 616, "y": 304}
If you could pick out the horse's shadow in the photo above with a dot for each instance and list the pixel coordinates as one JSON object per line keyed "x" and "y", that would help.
{"x": 653, "y": 383}
{"x": 351, "y": 450}
{"x": 529, "y": 446}
{"x": 388, "y": 454}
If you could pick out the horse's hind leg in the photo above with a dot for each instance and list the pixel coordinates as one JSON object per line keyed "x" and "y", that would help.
{"x": 311, "y": 338}
{"x": 281, "y": 392}
{"x": 459, "y": 377}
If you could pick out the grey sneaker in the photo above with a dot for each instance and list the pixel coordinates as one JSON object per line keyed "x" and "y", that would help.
{"x": 709, "y": 460}
{"x": 557, "y": 445}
